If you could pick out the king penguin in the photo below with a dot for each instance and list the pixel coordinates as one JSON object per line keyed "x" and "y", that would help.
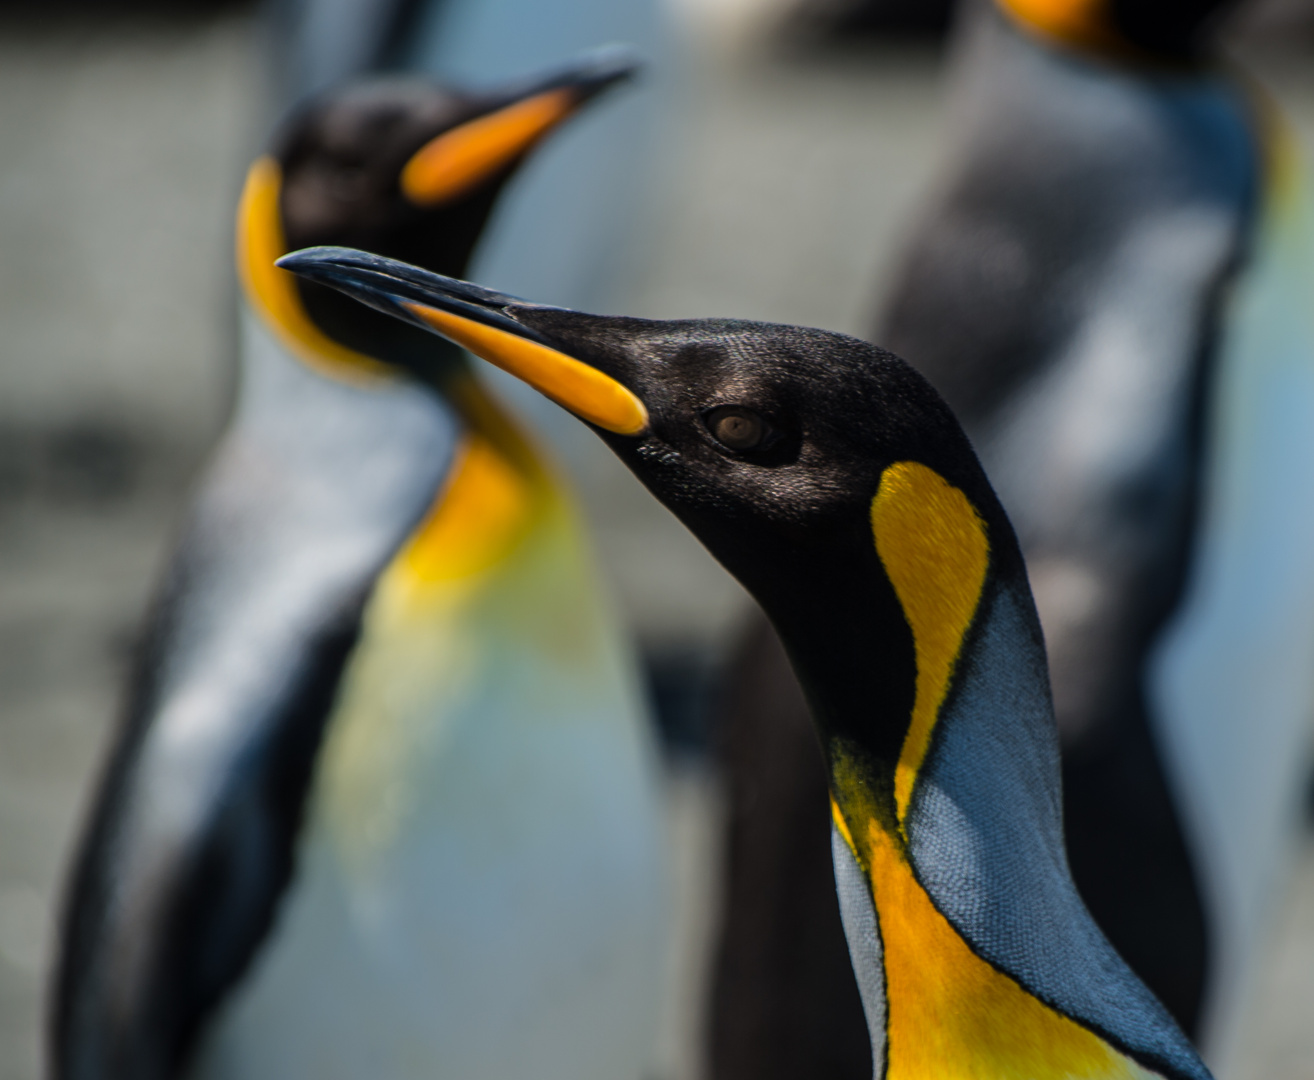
{"x": 836, "y": 485}
{"x": 384, "y": 802}
{"x": 1111, "y": 291}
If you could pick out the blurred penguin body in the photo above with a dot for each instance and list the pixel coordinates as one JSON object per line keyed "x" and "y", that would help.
{"x": 1083, "y": 294}
{"x": 1230, "y": 678}
{"x": 384, "y": 804}
{"x": 479, "y": 860}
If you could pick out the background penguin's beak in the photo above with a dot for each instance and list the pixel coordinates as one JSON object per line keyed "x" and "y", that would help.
{"x": 457, "y": 161}
{"x": 481, "y": 321}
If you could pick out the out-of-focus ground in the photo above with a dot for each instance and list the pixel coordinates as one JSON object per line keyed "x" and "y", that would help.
{"x": 787, "y": 182}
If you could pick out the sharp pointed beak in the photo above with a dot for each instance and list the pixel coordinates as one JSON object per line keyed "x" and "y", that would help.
{"x": 481, "y": 321}
{"x": 459, "y": 160}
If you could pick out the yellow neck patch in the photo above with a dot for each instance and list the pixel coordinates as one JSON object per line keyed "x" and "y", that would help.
{"x": 949, "y": 1014}
{"x": 933, "y": 546}
{"x": 1082, "y": 23}
{"x": 272, "y": 292}
{"x": 497, "y": 488}
{"x": 573, "y": 385}
{"x": 457, "y": 161}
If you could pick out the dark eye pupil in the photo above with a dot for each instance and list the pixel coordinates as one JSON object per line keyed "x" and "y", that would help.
{"x": 738, "y": 429}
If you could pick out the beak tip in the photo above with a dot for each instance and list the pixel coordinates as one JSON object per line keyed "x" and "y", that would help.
{"x": 303, "y": 259}
{"x": 321, "y": 256}
{"x": 607, "y": 65}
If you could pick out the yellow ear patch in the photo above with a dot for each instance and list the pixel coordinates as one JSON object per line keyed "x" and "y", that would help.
{"x": 272, "y": 292}
{"x": 453, "y": 163}
{"x": 1082, "y": 23}
{"x": 933, "y": 546}
{"x": 584, "y": 390}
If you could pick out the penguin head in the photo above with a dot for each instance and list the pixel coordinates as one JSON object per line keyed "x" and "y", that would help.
{"x": 814, "y": 466}
{"x": 399, "y": 166}
{"x": 1166, "y": 31}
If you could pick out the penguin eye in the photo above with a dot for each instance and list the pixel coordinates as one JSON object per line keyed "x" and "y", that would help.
{"x": 739, "y": 429}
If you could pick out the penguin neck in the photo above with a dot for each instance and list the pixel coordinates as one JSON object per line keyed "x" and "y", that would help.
{"x": 889, "y": 727}
{"x": 947, "y": 821}
{"x": 954, "y": 885}
{"x": 994, "y": 678}
{"x": 889, "y": 636}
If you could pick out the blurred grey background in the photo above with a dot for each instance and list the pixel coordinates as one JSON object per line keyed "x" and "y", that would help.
{"x": 789, "y": 165}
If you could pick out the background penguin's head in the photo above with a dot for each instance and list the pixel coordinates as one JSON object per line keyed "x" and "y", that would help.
{"x": 398, "y": 166}
{"x": 1168, "y": 31}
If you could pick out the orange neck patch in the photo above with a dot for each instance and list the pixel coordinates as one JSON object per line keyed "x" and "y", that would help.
{"x": 949, "y": 1014}
{"x": 497, "y": 488}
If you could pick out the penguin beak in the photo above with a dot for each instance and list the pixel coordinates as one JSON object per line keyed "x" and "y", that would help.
{"x": 481, "y": 321}
{"x": 459, "y": 160}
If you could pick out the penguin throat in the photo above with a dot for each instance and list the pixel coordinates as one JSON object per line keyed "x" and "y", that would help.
{"x": 949, "y": 833}
{"x": 498, "y": 492}
{"x": 948, "y": 1013}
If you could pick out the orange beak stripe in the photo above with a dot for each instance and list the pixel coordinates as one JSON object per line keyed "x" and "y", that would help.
{"x": 456, "y": 161}
{"x": 573, "y": 385}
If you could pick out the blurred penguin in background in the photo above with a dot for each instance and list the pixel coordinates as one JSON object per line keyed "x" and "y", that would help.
{"x": 1111, "y": 290}
{"x": 571, "y": 227}
{"x": 384, "y": 803}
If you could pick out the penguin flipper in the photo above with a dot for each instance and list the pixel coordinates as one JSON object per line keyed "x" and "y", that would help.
{"x": 192, "y": 837}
